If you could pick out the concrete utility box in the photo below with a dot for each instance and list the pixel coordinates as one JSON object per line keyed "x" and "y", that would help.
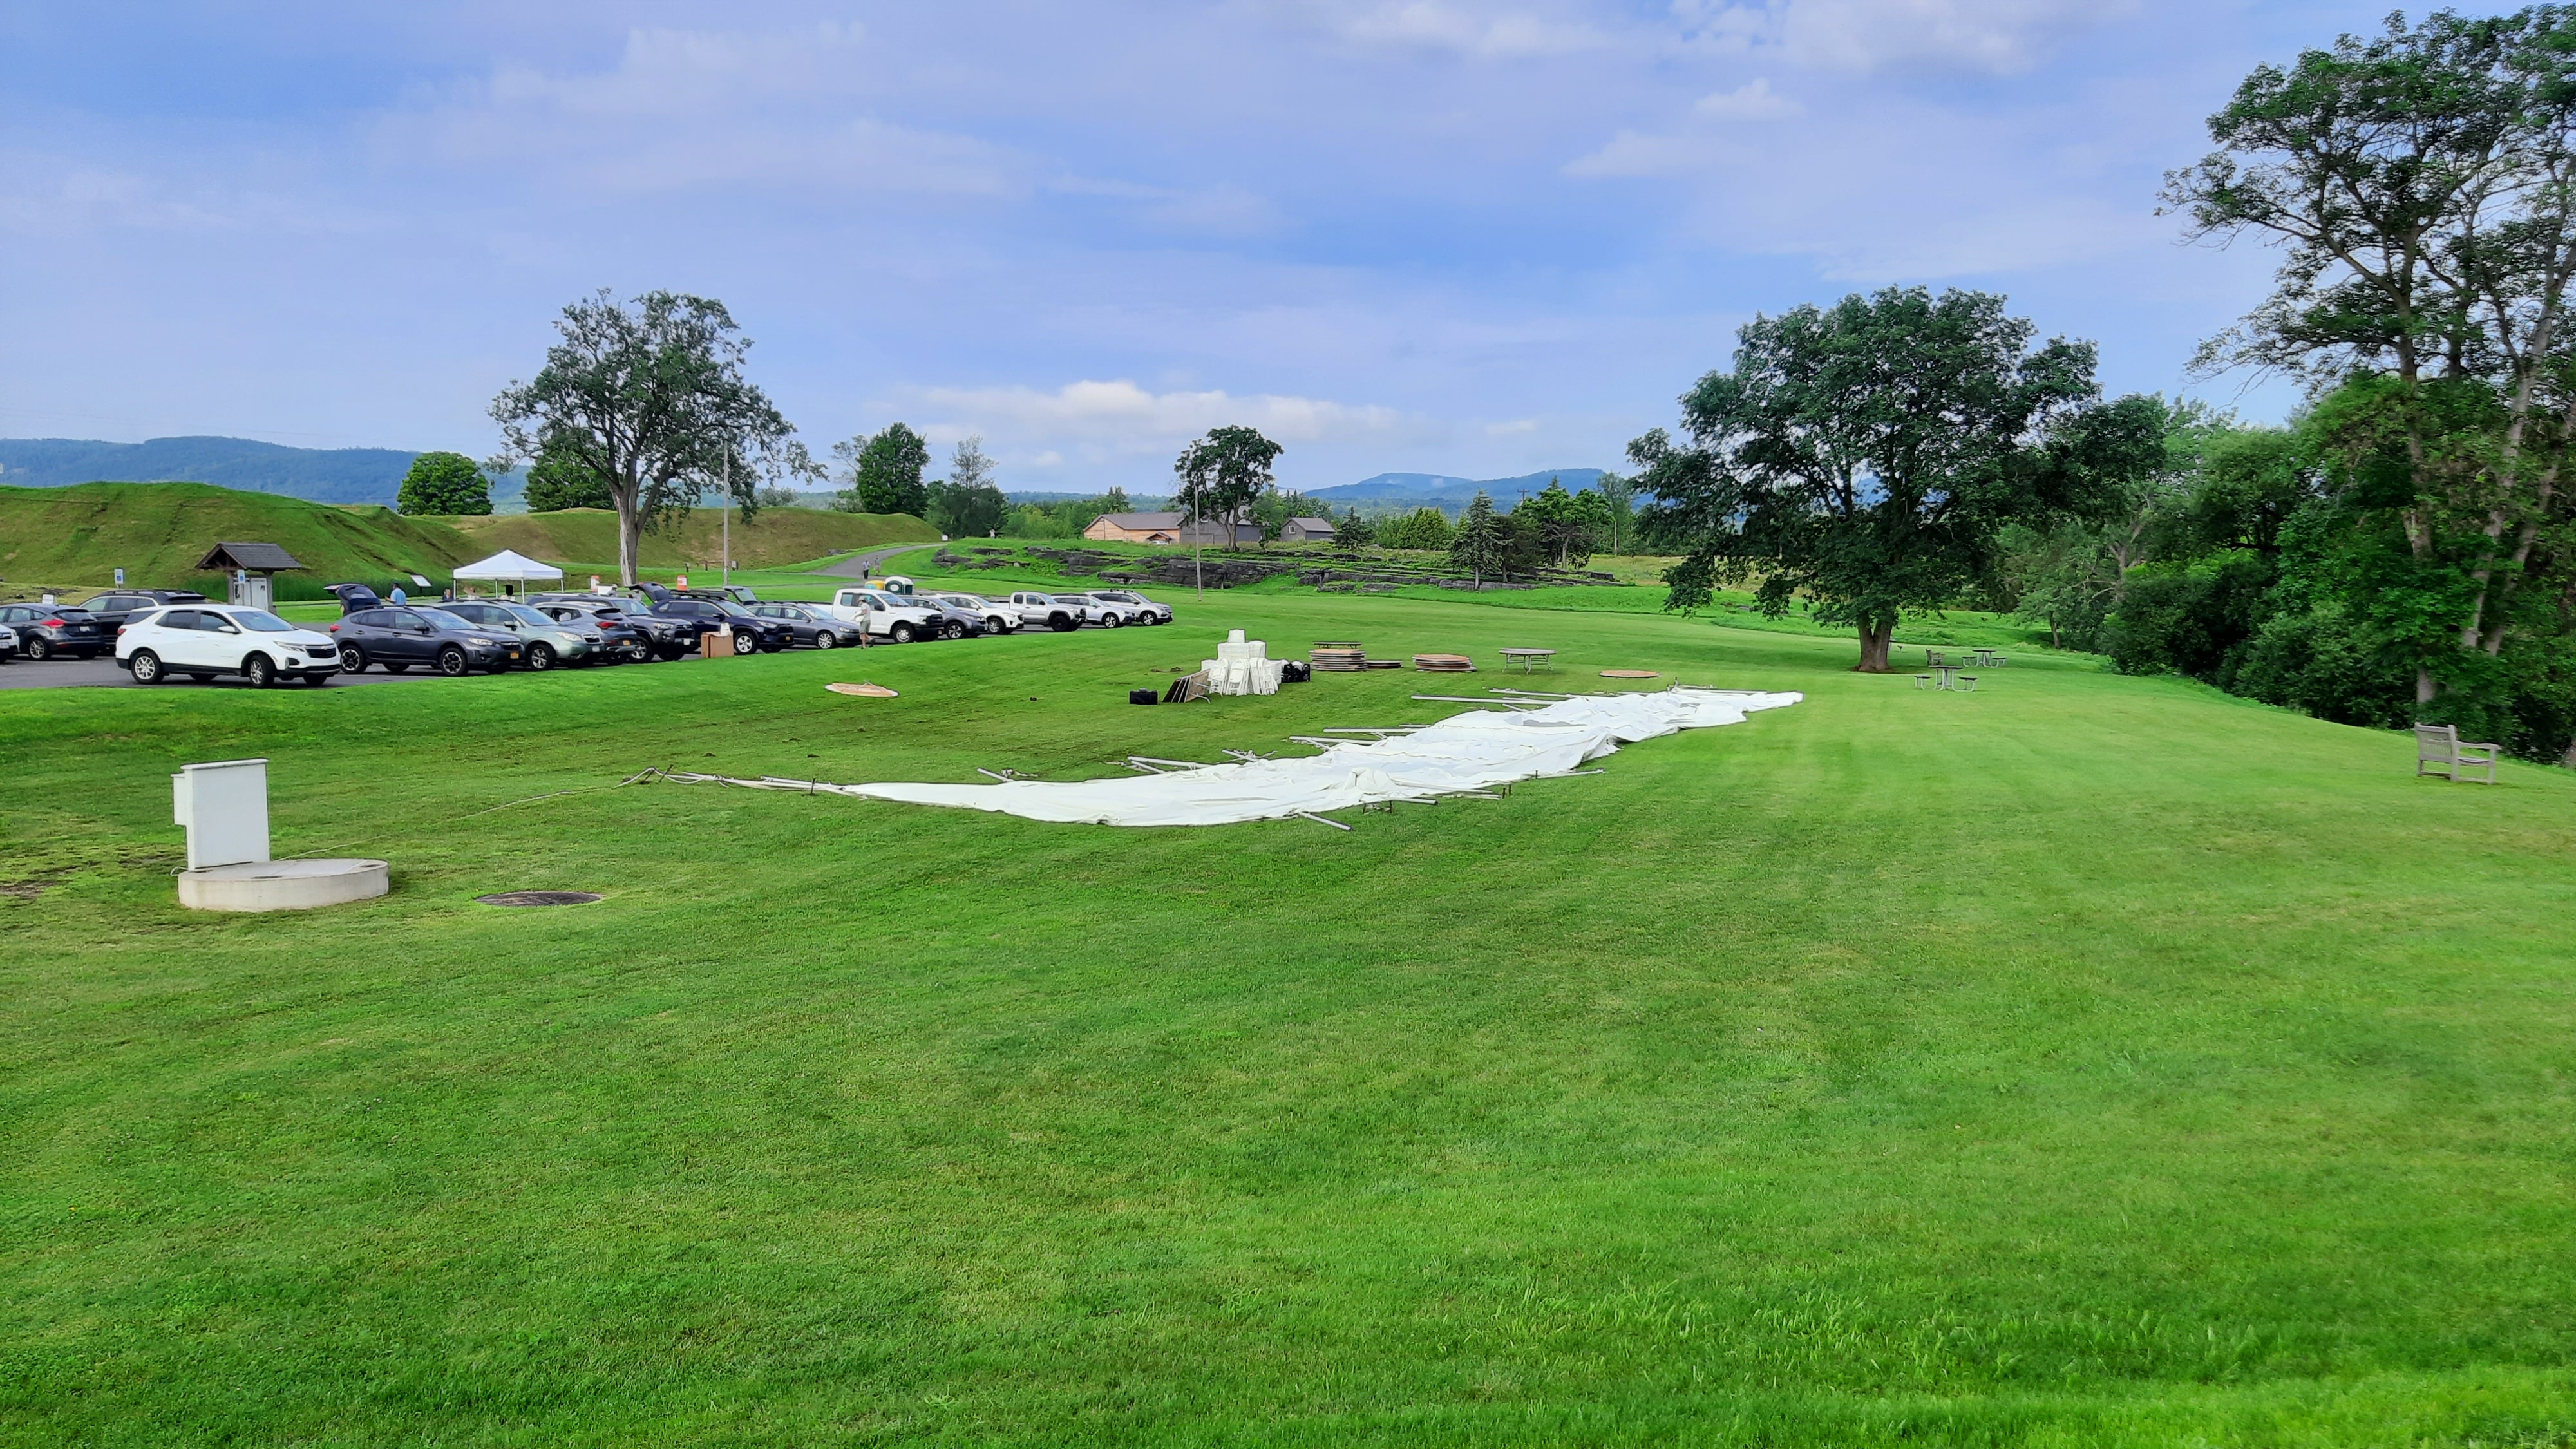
{"x": 224, "y": 809}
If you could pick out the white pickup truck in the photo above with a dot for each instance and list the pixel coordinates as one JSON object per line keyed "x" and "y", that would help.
{"x": 1063, "y": 613}
{"x": 883, "y": 615}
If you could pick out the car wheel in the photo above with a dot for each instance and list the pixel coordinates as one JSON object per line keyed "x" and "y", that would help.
{"x": 146, "y": 667}
{"x": 1063, "y": 625}
{"x": 451, "y": 662}
{"x": 541, "y": 657}
{"x": 826, "y": 639}
{"x": 1111, "y": 621}
{"x": 39, "y": 650}
{"x": 259, "y": 671}
{"x": 902, "y": 632}
{"x": 953, "y": 631}
{"x": 351, "y": 661}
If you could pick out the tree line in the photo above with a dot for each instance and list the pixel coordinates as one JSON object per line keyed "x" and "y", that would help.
{"x": 2402, "y": 550}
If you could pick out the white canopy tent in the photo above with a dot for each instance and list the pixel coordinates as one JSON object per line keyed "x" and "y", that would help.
{"x": 508, "y": 566}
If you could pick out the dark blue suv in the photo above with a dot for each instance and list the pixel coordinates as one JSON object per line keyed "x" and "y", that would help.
{"x": 401, "y": 637}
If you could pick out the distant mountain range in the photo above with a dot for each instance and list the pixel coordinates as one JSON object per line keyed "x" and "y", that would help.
{"x": 317, "y": 475}
{"x": 374, "y": 475}
{"x": 1439, "y": 490}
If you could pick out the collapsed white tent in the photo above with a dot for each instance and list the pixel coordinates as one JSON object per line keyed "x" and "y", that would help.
{"x": 509, "y": 565}
{"x": 1475, "y": 750}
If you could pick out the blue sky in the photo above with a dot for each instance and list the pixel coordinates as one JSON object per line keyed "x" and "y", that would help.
{"x": 1417, "y": 235}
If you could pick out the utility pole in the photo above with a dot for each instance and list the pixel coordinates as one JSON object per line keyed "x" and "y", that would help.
{"x": 727, "y": 540}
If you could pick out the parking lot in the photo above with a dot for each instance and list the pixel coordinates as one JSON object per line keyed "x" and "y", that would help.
{"x": 104, "y": 672}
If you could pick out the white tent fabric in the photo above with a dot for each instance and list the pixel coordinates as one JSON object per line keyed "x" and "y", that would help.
{"x": 1474, "y": 750}
{"x": 508, "y": 564}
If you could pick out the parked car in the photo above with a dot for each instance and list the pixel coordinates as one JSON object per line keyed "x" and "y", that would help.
{"x": 663, "y": 638}
{"x": 720, "y": 593}
{"x": 118, "y": 607}
{"x": 621, "y": 639}
{"x": 45, "y": 630}
{"x": 8, "y": 645}
{"x": 953, "y": 622}
{"x": 705, "y": 616}
{"x": 210, "y": 639}
{"x": 886, "y": 616}
{"x": 353, "y": 597}
{"x": 808, "y": 624}
{"x": 545, "y": 640}
{"x": 998, "y": 618}
{"x": 1114, "y": 607}
{"x": 402, "y": 636}
{"x": 1063, "y": 613}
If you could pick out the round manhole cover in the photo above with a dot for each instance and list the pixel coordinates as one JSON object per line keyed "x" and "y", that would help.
{"x": 539, "y": 898}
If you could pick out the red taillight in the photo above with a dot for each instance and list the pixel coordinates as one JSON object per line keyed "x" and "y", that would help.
{"x": 53, "y": 623}
{"x": 335, "y": 628}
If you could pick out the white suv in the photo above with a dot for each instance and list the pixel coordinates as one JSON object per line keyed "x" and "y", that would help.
{"x": 1117, "y": 606}
{"x": 204, "y": 640}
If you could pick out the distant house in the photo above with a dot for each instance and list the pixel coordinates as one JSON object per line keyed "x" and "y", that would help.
{"x": 1135, "y": 528}
{"x": 1167, "y": 528}
{"x": 1306, "y": 530}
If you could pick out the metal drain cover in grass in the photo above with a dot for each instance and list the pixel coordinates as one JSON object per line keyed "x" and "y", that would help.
{"x": 539, "y": 898}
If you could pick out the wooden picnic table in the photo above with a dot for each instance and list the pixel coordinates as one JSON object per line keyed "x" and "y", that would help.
{"x": 1946, "y": 676}
{"x": 1529, "y": 658}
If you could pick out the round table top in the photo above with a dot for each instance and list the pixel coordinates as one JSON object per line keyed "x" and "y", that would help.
{"x": 1529, "y": 651}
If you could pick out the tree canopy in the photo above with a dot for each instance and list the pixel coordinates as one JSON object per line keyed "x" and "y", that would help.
{"x": 560, "y": 479}
{"x": 650, "y": 397}
{"x": 445, "y": 483}
{"x": 881, "y": 472}
{"x": 2422, "y": 185}
{"x": 1867, "y": 455}
{"x": 1220, "y": 476}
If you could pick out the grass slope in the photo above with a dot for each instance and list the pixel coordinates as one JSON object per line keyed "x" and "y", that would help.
{"x": 77, "y": 537}
{"x": 588, "y": 536}
{"x": 2088, "y": 1060}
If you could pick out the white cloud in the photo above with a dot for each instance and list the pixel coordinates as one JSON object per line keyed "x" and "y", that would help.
{"x": 1119, "y": 417}
{"x": 2000, "y": 37}
{"x": 780, "y": 110}
{"x": 1438, "y": 25}
{"x": 1751, "y": 101}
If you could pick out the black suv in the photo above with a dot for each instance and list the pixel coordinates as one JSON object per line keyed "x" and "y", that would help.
{"x": 705, "y": 616}
{"x": 119, "y": 607}
{"x": 45, "y": 630}
{"x": 812, "y": 626}
{"x": 663, "y": 638}
{"x": 410, "y": 634}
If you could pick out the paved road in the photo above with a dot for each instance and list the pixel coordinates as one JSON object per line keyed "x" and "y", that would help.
{"x": 858, "y": 565}
{"x": 106, "y": 673}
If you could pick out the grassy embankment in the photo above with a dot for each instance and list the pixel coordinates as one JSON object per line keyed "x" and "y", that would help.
{"x": 2088, "y": 1060}
{"x": 74, "y": 539}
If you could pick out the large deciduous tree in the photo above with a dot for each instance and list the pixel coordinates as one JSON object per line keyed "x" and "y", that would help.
{"x": 1867, "y": 455}
{"x": 882, "y": 472}
{"x": 444, "y": 483}
{"x": 650, "y": 396}
{"x": 2422, "y": 185}
{"x": 1219, "y": 478}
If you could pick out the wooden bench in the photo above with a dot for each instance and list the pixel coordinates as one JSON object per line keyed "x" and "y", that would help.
{"x": 2439, "y": 747}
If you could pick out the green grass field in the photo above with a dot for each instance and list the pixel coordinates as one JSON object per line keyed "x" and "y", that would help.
{"x": 2085, "y": 1061}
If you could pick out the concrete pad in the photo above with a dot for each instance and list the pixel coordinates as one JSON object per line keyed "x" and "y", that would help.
{"x": 281, "y": 885}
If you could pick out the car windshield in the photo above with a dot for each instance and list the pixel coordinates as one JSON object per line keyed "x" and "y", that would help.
{"x": 441, "y": 618}
{"x": 526, "y": 615}
{"x": 260, "y": 622}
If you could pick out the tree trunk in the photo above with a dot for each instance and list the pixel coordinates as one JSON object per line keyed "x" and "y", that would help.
{"x": 630, "y": 540}
{"x": 1874, "y": 640}
{"x": 2424, "y": 688}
